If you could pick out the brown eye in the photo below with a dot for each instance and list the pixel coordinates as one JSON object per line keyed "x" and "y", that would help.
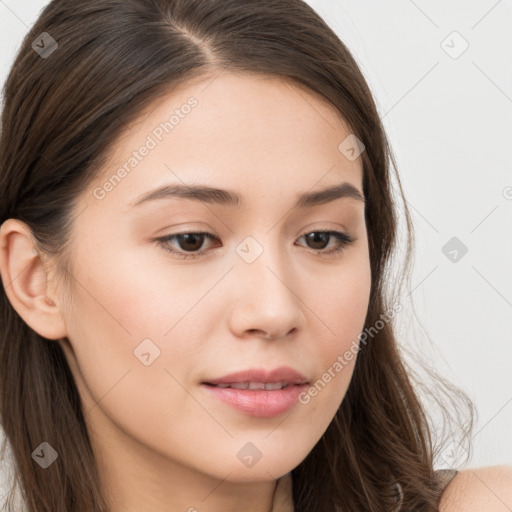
{"x": 318, "y": 240}
{"x": 189, "y": 244}
{"x": 190, "y": 241}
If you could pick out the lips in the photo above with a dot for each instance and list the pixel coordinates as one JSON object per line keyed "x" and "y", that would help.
{"x": 260, "y": 403}
{"x": 260, "y": 378}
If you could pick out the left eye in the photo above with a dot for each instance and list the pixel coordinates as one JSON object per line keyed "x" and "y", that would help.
{"x": 191, "y": 242}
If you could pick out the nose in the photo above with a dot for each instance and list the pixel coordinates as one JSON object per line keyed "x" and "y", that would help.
{"x": 265, "y": 300}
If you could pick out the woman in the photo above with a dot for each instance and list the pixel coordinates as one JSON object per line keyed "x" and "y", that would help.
{"x": 197, "y": 221}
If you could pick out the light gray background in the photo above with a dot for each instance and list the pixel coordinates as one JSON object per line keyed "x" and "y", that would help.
{"x": 448, "y": 117}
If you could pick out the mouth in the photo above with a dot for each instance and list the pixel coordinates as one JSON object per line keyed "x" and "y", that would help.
{"x": 268, "y": 386}
{"x": 260, "y": 379}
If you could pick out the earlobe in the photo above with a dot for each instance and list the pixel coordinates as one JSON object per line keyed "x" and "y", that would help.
{"x": 24, "y": 278}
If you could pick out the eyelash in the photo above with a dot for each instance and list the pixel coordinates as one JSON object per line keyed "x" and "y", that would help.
{"x": 343, "y": 238}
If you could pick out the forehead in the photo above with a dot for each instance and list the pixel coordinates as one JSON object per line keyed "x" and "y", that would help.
{"x": 237, "y": 131}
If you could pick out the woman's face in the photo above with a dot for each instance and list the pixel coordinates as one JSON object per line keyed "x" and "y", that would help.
{"x": 146, "y": 326}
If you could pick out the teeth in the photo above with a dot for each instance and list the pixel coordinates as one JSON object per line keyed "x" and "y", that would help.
{"x": 256, "y": 385}
{"x": 270, "y": 386}
{"x": 239, "y": 385}
{"x": 275, "y": 385}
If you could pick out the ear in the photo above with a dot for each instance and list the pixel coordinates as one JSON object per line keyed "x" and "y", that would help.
{"x": 24, "y": 279}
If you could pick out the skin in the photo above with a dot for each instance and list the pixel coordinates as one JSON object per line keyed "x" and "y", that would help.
{"x": 215, "y": 324}
{"x": 475, "y": 489}
{"x": 161, "y": 441}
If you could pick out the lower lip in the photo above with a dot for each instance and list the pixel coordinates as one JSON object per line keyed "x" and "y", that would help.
{"x": 260, "y": 403}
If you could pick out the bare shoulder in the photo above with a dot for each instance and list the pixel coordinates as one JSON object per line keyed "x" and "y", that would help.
{"x": 487, "y": 488}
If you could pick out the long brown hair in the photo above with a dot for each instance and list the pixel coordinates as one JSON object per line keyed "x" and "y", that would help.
{"x": 62, "y": 113}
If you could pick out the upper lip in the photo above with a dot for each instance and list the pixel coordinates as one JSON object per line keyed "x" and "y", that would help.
{"x": 282, "y": 374}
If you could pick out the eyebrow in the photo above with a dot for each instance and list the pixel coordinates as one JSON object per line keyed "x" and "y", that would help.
{"x": 230, "y": 198}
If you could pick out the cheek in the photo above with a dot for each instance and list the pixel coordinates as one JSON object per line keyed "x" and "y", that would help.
{"x": 127, "y": 313}
{"x": 117, "y": 325}
{"x": 340, "y": 305}
{"x": 341, "y": 301}
{"x": 137, "y": 291}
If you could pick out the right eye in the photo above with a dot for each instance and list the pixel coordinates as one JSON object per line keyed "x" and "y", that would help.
{"x": 192, "y": 240}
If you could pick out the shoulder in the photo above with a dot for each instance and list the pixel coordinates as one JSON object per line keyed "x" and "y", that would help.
{"x": 487, "y": 488}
